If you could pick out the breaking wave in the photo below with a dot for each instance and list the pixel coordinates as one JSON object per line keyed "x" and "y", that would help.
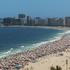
{"x": 56, "y": 37}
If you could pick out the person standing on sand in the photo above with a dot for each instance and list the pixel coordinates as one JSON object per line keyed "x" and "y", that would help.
{"x": 0, "y": 67}
{"x": 66, "y": 64}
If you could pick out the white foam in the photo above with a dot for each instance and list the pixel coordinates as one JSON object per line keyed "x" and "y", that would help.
{"x": 10, "y": 52}
{"x": 6, "y": 53}
{"x": 55, "y": 38}
{"x": 22, "y": 46}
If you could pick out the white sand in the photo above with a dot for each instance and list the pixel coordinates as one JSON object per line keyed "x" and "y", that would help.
{"x": 46, "y": 62}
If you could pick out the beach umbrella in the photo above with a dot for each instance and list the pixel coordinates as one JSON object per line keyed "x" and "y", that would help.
{"x": 5, "y": 68}
{"x": 18, "y": 66}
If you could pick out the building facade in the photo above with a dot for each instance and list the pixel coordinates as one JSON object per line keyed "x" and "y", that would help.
{"x": 55, "y": 22}
{"x": 67, "y": 21}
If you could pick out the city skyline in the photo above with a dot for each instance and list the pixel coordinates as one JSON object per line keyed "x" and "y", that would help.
{"x": 41, "y": 8}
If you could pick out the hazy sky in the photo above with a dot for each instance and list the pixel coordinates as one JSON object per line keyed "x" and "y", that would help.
{"x": 43, "y": 8}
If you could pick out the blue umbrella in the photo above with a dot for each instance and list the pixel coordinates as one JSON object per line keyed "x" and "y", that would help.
{"x": 18, "y": 66}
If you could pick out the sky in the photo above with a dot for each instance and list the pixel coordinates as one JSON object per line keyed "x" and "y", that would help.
{"x": 41, "y": 8}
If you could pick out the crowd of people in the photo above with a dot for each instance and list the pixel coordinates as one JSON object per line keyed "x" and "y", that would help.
{"x": 19, "y": 60}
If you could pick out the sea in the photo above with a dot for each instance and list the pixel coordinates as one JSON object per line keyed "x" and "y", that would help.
{"x": 19, "y": 39}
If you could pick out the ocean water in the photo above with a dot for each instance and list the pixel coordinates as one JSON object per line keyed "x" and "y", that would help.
{"x": 19, "y": 39}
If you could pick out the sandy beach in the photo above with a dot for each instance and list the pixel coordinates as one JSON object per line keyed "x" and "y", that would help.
{"x": 41, "y": 58}
{"x": 59, "y": 58}
{"x": 46, "y": 62}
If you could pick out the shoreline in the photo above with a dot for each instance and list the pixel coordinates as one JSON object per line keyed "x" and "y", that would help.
{"x": 48, "y": 27}
{"x": 36, "y": 45}
{"x": 52, "y": 60}
{"x": 24, "y": 58}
